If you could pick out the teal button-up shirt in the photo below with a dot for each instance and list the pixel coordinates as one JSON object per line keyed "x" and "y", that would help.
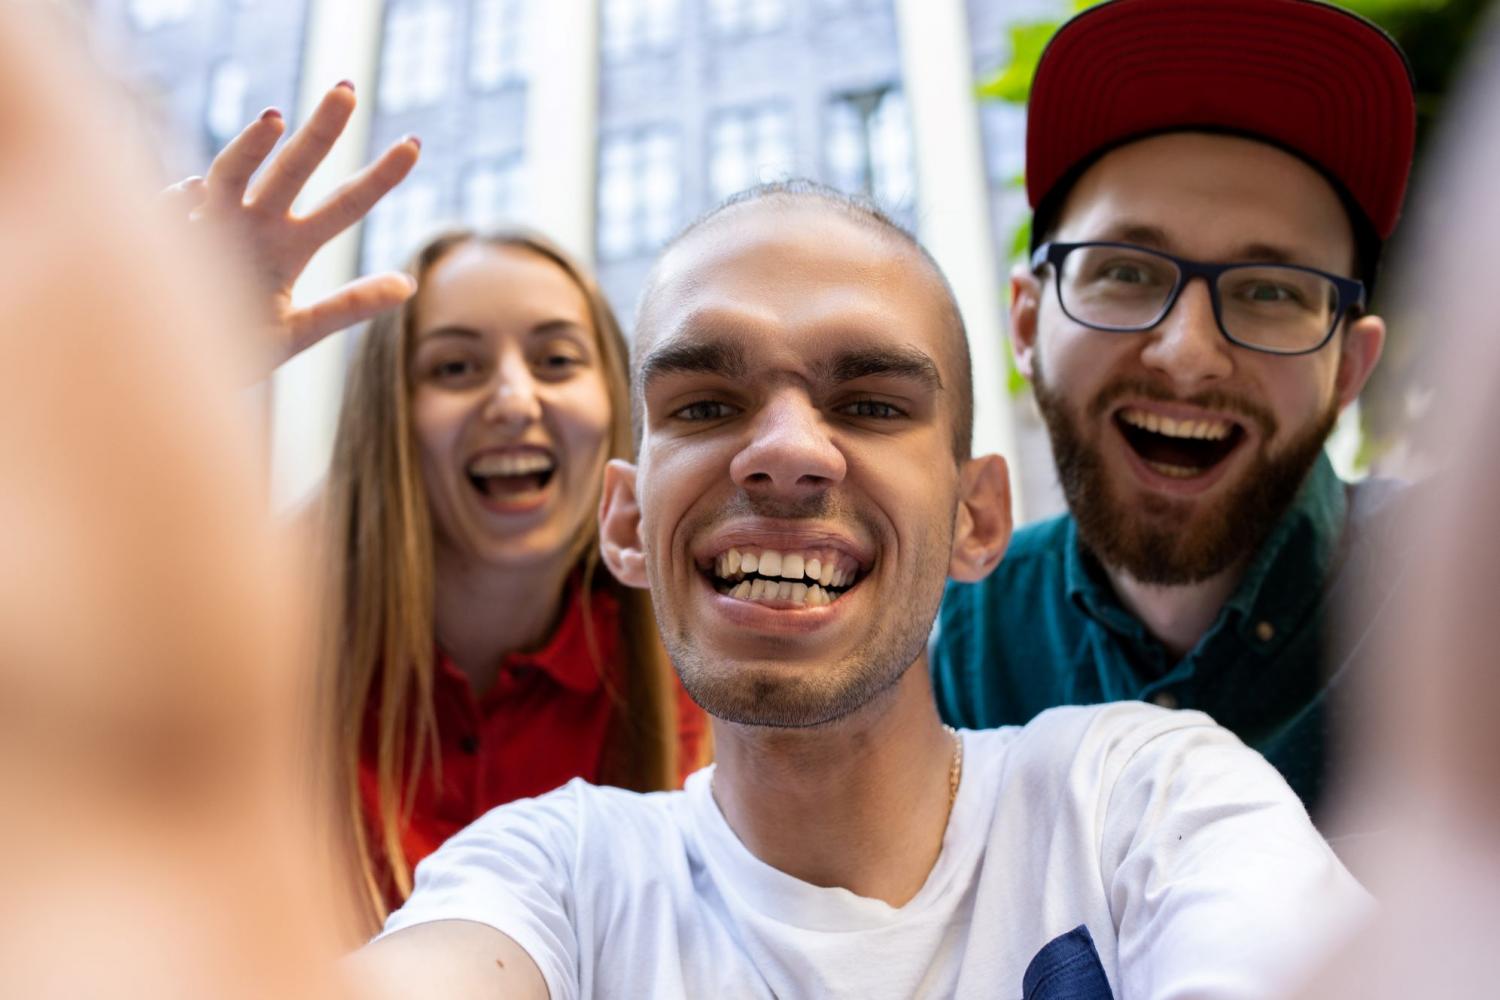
{"x": 1046, "y": 629}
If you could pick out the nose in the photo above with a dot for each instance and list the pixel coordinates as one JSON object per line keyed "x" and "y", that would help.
{"x": 1186, "y": 345}
{"x": 513, "y": 399}
{"x": 790, "y": 452}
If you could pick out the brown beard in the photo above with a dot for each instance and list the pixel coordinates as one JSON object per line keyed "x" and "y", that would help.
{"x": 1162, "y": 540}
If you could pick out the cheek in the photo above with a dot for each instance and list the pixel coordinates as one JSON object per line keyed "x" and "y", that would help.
{"x": 1299, "y": 394}
{"x": 1075, "y": 360}
{"x": 436, "y": 423}
{"x": 583, "y": 418}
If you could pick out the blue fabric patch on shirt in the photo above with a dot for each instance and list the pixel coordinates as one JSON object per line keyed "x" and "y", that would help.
{"x": 1067, "y": 968}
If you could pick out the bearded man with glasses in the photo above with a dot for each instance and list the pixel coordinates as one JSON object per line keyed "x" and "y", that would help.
{"x": 1212, "y": 181}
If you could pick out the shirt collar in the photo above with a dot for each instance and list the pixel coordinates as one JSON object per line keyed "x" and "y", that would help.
{"x": 1287, "y": 573}
{"x": 1283, "y": 577}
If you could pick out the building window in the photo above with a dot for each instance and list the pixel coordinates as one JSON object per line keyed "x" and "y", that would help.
{"x": 637, "y": 27}
{"x": 497, "y": 37}
{"x": 747, "y": 17}
{"x": 748, "y": 147}
{"x": 639, "y": 185}
{"x": 855, "y": 6}
{"x": 148, "y": 15}
{"x": 868, "y": 147}
{"x": 227, "y": 89}
{"x": 415, "y": 55}
{"x": 493, "y": 192}
{"x": 395, "y": 227}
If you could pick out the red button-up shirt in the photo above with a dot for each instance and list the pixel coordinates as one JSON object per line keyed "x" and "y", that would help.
{"x": 544, "y": 721}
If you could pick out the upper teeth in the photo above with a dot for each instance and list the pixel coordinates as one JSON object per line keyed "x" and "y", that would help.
{"x": 510, "y": 464}
{"x": 1213, "y": 430}
{"x": 830, "y": 569}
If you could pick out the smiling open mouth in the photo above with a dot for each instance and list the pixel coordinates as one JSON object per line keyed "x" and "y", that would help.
{"x": 1181, "y": 449}
{"x": 810, "y": 579}
{"x": 501, "y": 476}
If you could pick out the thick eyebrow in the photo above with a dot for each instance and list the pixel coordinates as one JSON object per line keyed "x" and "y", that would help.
{"x": 890, "y": 362}
{"x": 703, "y": 358}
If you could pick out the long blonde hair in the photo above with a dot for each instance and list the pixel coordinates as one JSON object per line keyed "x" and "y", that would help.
{"x": 378, "y": 642}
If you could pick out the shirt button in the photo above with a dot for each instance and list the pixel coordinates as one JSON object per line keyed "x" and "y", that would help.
{"x": 1265, "y": 631}
{"x": 469, "y": 744}
{"x": 1165, "y": 699}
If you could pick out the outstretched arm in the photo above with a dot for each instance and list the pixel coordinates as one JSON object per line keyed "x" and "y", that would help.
{"x": 280, "y": 243}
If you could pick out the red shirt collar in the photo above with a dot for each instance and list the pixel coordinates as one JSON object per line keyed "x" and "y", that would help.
{"x": 565, "y": 657}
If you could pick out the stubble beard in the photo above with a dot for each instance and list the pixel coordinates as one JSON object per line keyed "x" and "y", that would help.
{"x": 1162, "y": 540}
{"x": 754, "y": 694}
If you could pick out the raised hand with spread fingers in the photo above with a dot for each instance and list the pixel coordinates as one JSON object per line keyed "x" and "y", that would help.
{"x": 279, "y": 242}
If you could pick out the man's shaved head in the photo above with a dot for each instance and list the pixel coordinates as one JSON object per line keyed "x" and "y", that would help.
{"x": 806, "y": 195}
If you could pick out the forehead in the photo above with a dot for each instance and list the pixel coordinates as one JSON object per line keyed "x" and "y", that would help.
{"x": 1211, "y": 196}
{"x": 790, "y": 284}
{"x": 482, "y": 285}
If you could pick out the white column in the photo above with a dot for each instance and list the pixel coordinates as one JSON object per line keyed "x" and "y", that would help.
{"x": 342, "y": 43}
{"x": 953, "y": 204}
{"x": 562, "y": 122}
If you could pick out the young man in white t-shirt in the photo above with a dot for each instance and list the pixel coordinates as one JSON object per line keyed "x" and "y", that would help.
{"x": 803, "y": 393}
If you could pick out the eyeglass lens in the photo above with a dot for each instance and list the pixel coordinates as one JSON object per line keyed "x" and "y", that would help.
{"x": 1270, "y": 306}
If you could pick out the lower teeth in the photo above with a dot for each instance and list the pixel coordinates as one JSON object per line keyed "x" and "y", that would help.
{"x": 1174, "y": 471}
{"x": 785, "y": 590}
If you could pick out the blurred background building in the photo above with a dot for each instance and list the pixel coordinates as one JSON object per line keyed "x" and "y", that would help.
{"x": 609, "y": 124}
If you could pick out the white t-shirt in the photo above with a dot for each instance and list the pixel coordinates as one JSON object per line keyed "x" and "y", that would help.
{"x": 1187, "y": 857}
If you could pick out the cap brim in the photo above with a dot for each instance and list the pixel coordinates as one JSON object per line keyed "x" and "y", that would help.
{"x": 1319, "y": 81}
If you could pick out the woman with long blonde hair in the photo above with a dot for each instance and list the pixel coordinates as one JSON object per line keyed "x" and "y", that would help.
{"x": 474, "y": 652}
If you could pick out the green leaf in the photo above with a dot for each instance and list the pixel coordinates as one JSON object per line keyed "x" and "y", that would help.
{"x": 1021, "y": 243}
{"x": 1013, "y": 80}
{"x": 1375, "y": 10}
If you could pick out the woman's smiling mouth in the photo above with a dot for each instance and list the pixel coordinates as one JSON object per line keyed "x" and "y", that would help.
{"x": 511, "y": 476}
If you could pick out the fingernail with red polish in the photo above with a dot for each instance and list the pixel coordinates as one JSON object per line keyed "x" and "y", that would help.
{"x": 415, "y": 141}
{"x": 269, "y": 113}
{"x": 346, "y": 84}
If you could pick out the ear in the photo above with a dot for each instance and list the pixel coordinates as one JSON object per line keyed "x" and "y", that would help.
{"x": 983, "y": 528}
{"x": 1364, "y": 340}
{"x": 620, "y": 525}
{"x": 1025, "y": 300}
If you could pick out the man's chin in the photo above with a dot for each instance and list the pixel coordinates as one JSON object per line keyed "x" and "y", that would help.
{"x": 1165, "y": 542}
{"x": 776, "y": 695}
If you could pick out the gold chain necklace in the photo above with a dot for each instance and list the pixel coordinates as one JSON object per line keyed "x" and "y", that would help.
{"x": 955, "y": 767}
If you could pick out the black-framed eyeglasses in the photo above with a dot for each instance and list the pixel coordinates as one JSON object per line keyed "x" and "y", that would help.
{"x": 1124, "y": 288}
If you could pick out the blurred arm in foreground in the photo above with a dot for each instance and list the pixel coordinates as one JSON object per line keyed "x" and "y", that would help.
{"x": 1430, "y": 762}
{"x": 155, "y": 835}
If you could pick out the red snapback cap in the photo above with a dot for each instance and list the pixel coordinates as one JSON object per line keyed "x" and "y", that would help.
{"x": 1319, "y": 81}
